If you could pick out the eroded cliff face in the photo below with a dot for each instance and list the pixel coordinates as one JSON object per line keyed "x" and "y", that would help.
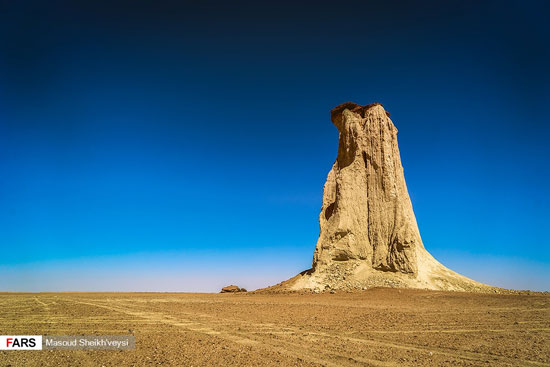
{"x": 367, "y": 213}
{"x": 369, "y": 236}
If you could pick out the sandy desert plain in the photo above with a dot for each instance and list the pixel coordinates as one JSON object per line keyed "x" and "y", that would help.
{"x": 376, "y": 327}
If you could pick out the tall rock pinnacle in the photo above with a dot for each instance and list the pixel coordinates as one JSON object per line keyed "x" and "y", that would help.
{"x": 367, "y": 214}
{"x": 369, "y": 235}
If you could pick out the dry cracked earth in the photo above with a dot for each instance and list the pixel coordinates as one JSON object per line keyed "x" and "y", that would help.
{"x": 379, "y": 327}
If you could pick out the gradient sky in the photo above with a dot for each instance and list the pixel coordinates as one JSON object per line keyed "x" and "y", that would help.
{"x": 159, "y": 145}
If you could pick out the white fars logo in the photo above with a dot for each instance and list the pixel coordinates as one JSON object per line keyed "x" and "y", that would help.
{"x": 21, "y": 342}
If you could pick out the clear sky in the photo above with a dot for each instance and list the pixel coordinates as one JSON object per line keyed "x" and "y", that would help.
{"x": 183, "y": 146}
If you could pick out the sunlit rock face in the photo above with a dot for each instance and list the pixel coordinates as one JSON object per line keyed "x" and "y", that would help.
{"x": 367, "y": 213}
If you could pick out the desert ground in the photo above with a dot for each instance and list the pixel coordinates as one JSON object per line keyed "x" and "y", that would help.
{"x": 378, "y": 327}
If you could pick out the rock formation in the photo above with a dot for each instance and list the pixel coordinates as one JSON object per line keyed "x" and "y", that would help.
{"x": 369, "y": 236}
{"x": 232, "y": 289}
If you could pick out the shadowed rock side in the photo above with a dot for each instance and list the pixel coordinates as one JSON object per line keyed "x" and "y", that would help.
{"x": 369, "y": 236}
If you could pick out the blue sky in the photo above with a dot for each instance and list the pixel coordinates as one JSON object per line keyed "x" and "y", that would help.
{"x": 171, "y": 146}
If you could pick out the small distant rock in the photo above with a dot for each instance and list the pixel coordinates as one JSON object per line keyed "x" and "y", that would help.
{"x": 232, "y": 289}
